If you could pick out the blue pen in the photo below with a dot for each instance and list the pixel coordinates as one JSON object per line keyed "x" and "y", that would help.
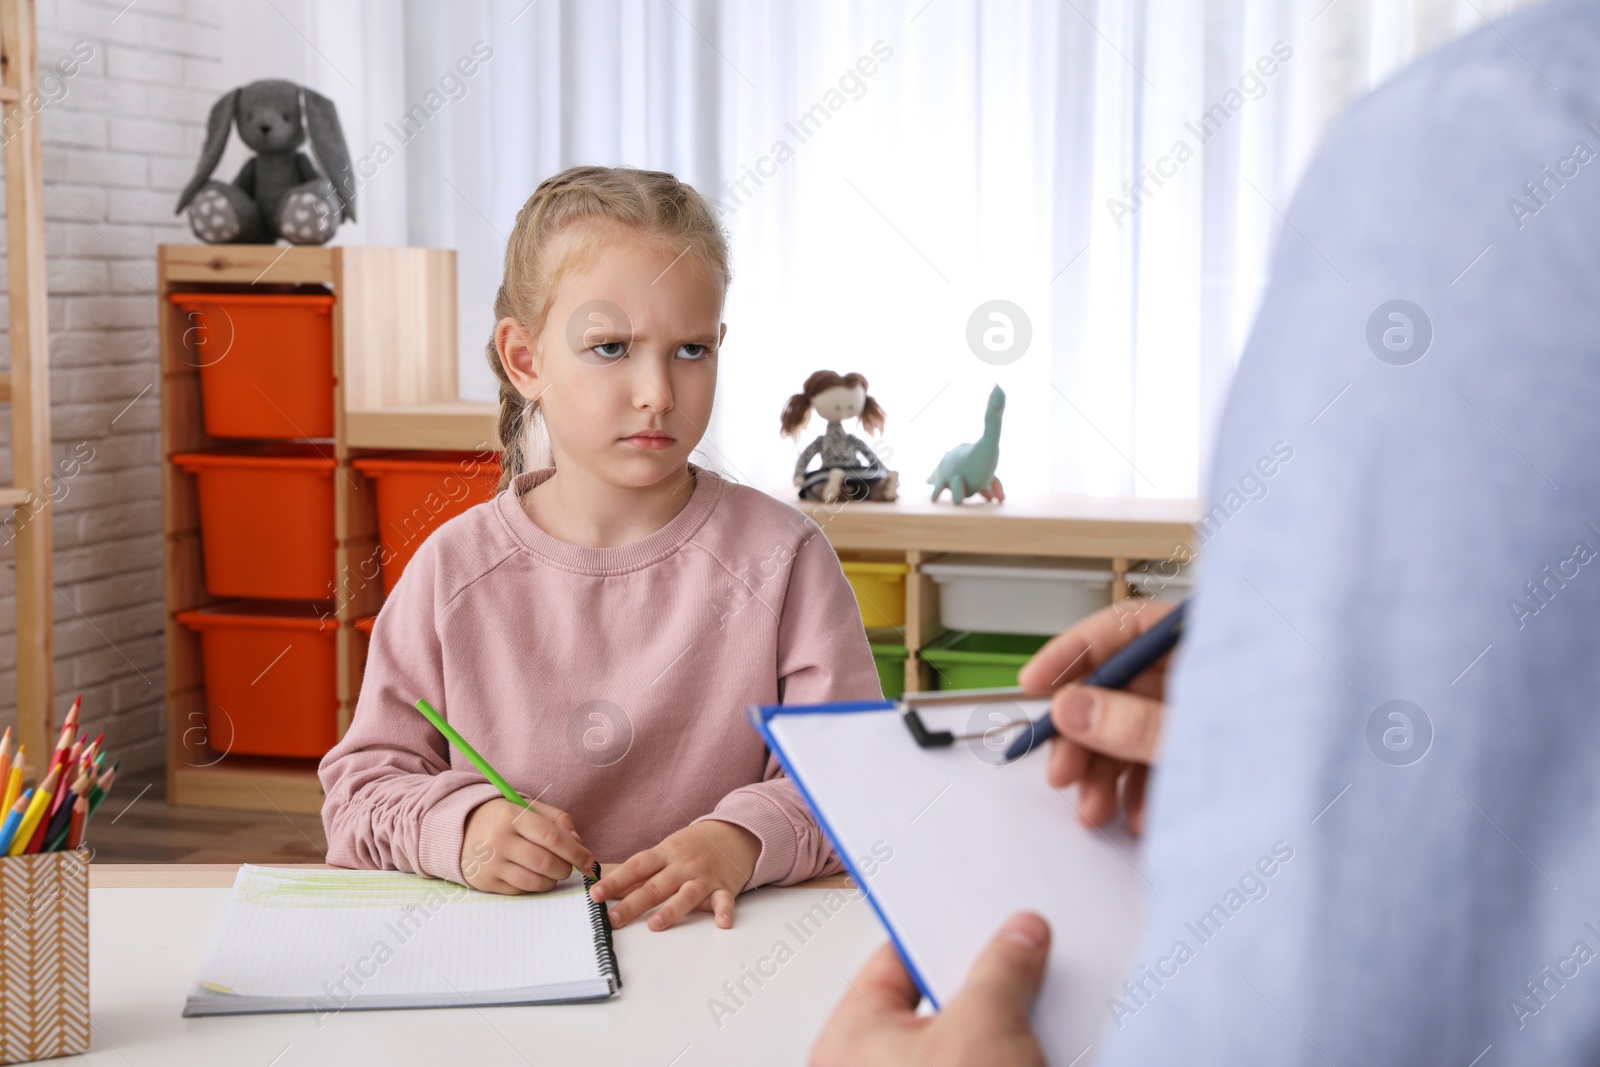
{"x": 1130, "y": 661}
{"x": 8, "y": 829}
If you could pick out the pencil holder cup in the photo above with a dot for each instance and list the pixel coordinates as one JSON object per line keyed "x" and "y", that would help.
{"x": 44, "y": 955}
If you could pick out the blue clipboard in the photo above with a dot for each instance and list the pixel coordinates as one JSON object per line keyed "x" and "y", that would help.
{"x": 865, "y": 773}
{"x": 760, "y": 717}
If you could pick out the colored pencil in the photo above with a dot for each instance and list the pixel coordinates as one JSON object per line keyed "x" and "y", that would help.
{"x": 6, "y": 799}
{"x": 67, "y": 766}
{"x": 98, "y": 792}
{"x": 109, "y": 777}
{"x": 58, "y": 841}
{"x": 14, "y": 782}
{"x": 64, "y": 740}
{"x": 455, "y": 738}
{"x": 96, "y": 798}
{"x": 53, "y": 814}
{"x": 59, "y": 755}
{"x": 61, "y": 826}
{"x": 36, "y": 809}
{"x": 8, "y": 829}
{"x": 80, "y": 818}
{"x": 69, "y": 726}
{"x": 36, "y": 840}
{"x": 55, "y": 837}
{"x": 57, "y": 789}
{"x": 58, "y": 823}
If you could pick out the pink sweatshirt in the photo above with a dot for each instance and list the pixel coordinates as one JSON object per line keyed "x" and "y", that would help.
{"x": 609, "y": 682}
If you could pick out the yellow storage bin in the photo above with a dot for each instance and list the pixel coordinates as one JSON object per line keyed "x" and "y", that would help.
{"x": 880, "y": 591}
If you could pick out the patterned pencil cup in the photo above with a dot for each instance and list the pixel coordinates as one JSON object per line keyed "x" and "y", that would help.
{"x": 44, "y": 955}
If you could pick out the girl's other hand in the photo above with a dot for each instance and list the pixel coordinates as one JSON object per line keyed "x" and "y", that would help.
{"x": 702, "y": 866}
{"x": 511, "y": 849}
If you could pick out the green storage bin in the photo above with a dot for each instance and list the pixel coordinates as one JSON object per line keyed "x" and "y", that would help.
{"x": 962, "y": 659}
{"x": 889, "y": 653}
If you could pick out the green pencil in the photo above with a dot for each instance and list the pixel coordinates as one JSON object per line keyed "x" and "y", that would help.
{"x": 451, "y": 735}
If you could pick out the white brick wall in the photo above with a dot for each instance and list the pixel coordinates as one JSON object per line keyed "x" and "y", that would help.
{"x": 118, "y": 147}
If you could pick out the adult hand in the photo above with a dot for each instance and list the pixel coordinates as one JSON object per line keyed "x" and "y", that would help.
{"x": 1106, "y": 739}
{"x": 986, "y": 1022}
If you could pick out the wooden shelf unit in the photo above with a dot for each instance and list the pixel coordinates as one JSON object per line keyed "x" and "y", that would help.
{"x": 461, "y": 425}
{"x": 394, "y": 343}
{"x": 26, "y": 386}
{"x": 1121, "y": 531}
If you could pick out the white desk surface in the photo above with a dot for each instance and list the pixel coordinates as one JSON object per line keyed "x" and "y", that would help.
{"x": 149, "y": 927}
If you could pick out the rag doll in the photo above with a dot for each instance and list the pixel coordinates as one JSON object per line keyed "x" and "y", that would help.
{"x": 837, "y": 397}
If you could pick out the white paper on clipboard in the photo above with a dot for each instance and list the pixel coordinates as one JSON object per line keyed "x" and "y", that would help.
{"x": 970, "y": 842}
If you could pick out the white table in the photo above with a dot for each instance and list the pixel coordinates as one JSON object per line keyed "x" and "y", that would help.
{"x": 149, "y": 927}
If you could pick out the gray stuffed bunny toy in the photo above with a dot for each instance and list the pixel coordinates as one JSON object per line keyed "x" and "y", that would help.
{"x": 280, "y": 192}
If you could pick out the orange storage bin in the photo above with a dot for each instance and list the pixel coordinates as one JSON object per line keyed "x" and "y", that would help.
{"x": 364, "y": 624}
{"x": 270, "y": 676}
{"x": 266, "y": 519}
{"x": 418, "y": 492}
{"x": 265, "y": 359}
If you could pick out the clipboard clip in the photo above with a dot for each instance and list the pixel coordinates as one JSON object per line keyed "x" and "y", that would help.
{"x": 926, "y": 738}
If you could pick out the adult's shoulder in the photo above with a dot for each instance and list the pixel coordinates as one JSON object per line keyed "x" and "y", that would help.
{"x": 1472, "y": 121}
{"x": 1466, "y": 185}
{"x": 1546, "y": 49}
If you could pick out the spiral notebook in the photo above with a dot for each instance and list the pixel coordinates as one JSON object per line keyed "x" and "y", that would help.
{"x": 326, "y": 941}
{"x": 948, "y": 839}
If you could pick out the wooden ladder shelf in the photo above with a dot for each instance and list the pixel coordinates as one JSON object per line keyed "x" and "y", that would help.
{"x": 27, "y": 387}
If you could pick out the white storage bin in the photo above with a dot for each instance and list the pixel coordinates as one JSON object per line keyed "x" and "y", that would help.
{"x": 1018, "y": 594}
{"x": 1156, "y": 581}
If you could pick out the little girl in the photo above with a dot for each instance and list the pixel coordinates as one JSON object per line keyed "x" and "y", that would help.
{"x": 597, "y": 630}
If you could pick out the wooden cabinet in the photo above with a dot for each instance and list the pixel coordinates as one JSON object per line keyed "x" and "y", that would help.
{"x": 913, "y": 530}
{"x": 394, "y": 342}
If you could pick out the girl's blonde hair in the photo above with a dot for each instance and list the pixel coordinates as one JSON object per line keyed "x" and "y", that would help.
{"x": 651, "y": 202}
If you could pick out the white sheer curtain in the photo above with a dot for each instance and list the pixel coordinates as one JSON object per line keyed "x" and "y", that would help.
{"x": 956, "y": 152}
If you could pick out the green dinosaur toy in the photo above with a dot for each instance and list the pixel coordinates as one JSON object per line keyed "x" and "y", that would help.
{"x": 969, "y": 468}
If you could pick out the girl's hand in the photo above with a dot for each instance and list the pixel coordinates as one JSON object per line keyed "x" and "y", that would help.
{"x": 511, "y": 849}
{"x": 701, "y": 866}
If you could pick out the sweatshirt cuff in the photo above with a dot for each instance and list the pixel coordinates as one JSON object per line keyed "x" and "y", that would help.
{"x": 444, "y": 828}
{"x": 762, "y": 817}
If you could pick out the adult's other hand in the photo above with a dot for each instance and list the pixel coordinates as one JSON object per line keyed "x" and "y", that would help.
{"x": 984, "y": 1025}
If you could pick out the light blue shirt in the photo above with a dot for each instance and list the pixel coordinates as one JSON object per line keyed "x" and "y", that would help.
{"x": 1375, "y": 829}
